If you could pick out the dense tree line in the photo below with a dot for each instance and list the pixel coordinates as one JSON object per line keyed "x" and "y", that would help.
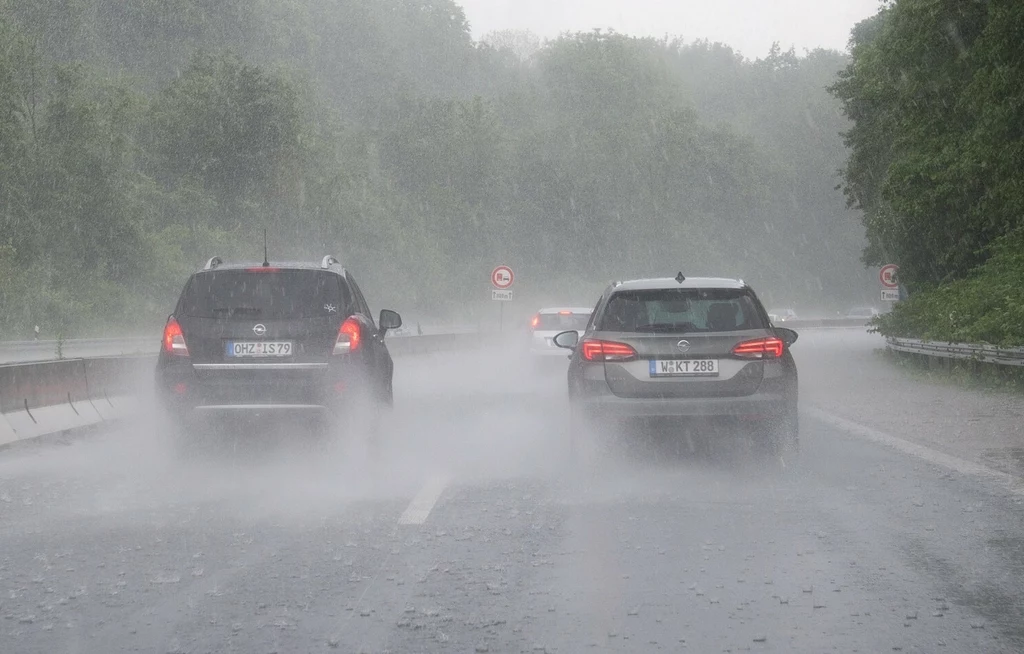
{"x": 136, "y": 139}
{"x": 935, "y": 90}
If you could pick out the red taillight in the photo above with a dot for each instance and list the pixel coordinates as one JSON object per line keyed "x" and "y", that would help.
{"x": 595, "y": 350}
{"x": 174, "y": 339}
{"x": 535, "y": 321}
{"x": 762, "y": 348}
{"x": 350, "y": 336}
{"x": 565, "y": 313}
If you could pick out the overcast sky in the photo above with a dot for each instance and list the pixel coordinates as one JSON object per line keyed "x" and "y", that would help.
{"x": 749, "y": 26}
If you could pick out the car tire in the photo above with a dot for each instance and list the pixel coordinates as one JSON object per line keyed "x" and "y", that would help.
{"x": 184, "y": 438}
{"x": 579, "y": 432}
{"x": 781, "y": 436}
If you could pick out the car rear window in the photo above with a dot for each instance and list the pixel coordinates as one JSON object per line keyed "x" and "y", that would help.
{"x": 283, "y": 294}
{"x": 681, "y": 310}
{"x": 563, "y": 321}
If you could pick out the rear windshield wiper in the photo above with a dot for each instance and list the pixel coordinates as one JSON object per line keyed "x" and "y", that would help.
{"x": 667, "y": 327}
{"x": 249, "y": 311}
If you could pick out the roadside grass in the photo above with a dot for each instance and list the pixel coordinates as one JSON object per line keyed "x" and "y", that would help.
{"x": 962, "y": 373}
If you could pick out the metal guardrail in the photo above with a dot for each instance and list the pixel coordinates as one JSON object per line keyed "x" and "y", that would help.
{"x": 47, "y": 350}
{"x": 822, "y": 323}
{"x": 33, "y": 351}
{"x": 402, "y": 342}
{"x": 1013, "y": 356}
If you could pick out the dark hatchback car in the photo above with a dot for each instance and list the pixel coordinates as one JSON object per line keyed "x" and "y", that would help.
{"x": 257, "y": 340}
{"x": 701, "y": 351}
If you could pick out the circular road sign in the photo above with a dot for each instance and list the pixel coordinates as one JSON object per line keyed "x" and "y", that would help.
{"x": 887, "y": 275}
{"x": 502, "y": 277}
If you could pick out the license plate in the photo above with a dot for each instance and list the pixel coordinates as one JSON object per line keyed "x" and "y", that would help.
{"x": 685, "y": 368}
{"x": 259, "y": 348}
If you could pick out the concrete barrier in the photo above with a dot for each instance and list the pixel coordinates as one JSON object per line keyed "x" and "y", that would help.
{"x": 52, "y": 397}
{"x": 45, "y": 398}
{"x": 41, "y": 398}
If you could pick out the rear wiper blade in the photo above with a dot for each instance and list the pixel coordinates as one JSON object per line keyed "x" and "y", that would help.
{"x": 667, "y": 327}
{"x": 659, "y": 327}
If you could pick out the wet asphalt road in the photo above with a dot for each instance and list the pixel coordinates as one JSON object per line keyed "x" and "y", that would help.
{"x": 470, "y": 530}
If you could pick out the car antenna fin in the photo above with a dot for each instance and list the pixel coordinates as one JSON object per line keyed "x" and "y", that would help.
{"x": 266, "y": 259}
{"x": 680, "y": 278}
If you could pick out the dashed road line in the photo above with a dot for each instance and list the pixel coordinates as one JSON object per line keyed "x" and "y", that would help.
{"x": 1013, "y": 483}
{"x": 421, "y": 506}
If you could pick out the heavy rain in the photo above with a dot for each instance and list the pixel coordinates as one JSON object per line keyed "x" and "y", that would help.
{"x": 383, "y": 326}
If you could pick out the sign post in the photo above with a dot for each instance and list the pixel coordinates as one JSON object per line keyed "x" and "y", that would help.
{"x": 890, "y": 286}
{"x": 502, "y": 278}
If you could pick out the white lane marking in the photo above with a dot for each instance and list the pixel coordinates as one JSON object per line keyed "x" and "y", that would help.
{"x": 1013, "y": 483}
{"x": 421, "y": 506}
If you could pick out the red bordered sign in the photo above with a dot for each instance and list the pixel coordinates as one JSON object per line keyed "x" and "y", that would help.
{"x": 887, "y": 275}
{"x": 502, "y": 277}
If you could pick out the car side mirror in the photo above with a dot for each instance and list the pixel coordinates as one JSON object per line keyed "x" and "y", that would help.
{"x": 787, "y": 335}
{"x": 568, "y": 340}
{"x": 389, "y": 319}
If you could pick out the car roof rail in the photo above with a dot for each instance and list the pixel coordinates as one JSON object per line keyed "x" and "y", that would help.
{"x": 329, "y": 260}
{"x": 213, "y": 263}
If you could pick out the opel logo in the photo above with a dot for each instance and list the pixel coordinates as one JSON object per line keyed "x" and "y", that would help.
{"x": 684, "y": 346}
{"x": 259, "y": 330}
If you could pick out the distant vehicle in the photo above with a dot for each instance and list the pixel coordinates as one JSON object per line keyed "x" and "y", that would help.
{"x": 251, "y": 339}
{"x": 782, "y": 315}
{"x": 866, "y": 313}
{"x": 698, "y": 350}
{"x": 549, "y": 322}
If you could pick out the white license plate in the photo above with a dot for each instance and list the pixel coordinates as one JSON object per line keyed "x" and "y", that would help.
{"x": 259, "y": 349}
{"x": 685, "y": 368}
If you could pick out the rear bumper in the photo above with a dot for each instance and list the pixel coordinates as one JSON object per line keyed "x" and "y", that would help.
{"x": 745, "y": 408}
{"x": 193, "y": 391}
{"x": 763, "y": 405}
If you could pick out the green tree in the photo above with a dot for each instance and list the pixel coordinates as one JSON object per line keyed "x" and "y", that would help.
{"x": 908, "y": 91}
{"x": 233, "y": 130}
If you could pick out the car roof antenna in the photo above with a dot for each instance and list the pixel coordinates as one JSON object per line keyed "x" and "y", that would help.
{"x": 266, "y": 260}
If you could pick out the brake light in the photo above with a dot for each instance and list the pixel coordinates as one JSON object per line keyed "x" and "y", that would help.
{"x": 350, "y": 336}
{"x": 565, "y": 313}
{"x": 535, "y": 321}
{"x": 595, "y": 350}
{"x": 174, "y": 339}
{"x": 263, "y": 269}
{"x": 761, "y": 348}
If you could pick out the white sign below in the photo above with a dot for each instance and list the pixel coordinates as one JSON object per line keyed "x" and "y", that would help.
{"x": 890, "y": 295}
{"x": 501, "y": 296}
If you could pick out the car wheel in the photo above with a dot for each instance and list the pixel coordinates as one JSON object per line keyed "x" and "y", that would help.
{"x": 581, "y": 438}
{"x": 186, "y": 440}
{"x": 781, "y": 436}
